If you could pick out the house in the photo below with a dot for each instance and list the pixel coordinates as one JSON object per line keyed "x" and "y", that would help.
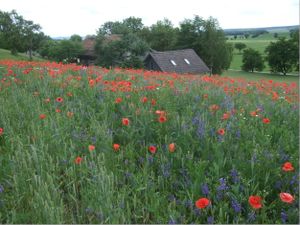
{"x": 178, "y": 61}
{"x": 88, "y": 57}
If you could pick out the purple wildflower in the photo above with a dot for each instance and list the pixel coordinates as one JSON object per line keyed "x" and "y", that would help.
{"x": 284, "y": 216}
{"x": 1, "y": 188}
{"x": 205, "y": 189}
{"x": 251, "y": 217}
{"x": 234, "y": 176}
{"x": 210, "y": 220}
{"x": 236, "y": 206}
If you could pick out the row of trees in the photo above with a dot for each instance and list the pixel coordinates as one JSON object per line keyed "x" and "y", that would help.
{"x": 204, "y": 36}
{"x": 282, "y": 56}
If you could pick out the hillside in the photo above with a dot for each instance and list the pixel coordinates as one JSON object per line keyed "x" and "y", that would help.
{"x": 5, "y": 54}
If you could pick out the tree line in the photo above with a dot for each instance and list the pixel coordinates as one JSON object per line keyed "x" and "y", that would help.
{"x": 206, "y": 37}
{"x": 281, "y": 55}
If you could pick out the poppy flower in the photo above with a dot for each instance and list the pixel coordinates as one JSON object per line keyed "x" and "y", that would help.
{"x": 118, "y": 100}
{"x": 255, "y": 201}
{"x": 221, "y": 131}
{"x": 57, "y": 110}
{"x": 162, "y": 119}
{"x": 42, "y": 116}
{"x": 287, "y": 167}
{"x": 78, "y": 160}
{"x": 286, "y": 197}
{"x": 59, "y": 99}
{"x": 153, "y": 102}
{"x": 253, "y": 113}
{"x": 116, "y": 147}
{"x": 214, "y": 107}
{"x": 70, "y": 94}
{"x": 144, "y": 99}
{"x": 91, "y": 148}
{"x": 226, "y": 116}
{"x": 125, "y": 121}
{"x": 266, "y": 120}
{"x": 1, "y": 131}
{"x": 152, "y": 149}
{"x": 202, "y": 203}
{"x": 172, "y": 147}
{"x": 47, "y": 100}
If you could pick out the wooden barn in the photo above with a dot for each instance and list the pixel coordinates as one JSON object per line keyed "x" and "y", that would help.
{"x": 178, "y": 61}
{"x": 89, "y": 56}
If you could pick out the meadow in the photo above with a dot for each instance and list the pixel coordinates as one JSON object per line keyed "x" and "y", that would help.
{"x": 258, "y": 43}
{"x": 91, "y": 145}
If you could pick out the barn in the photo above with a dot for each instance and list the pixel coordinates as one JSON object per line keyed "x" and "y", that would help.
{"x": 178, "y": 61}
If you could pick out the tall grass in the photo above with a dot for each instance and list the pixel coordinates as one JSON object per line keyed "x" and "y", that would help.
{"x": 60, "y": 123}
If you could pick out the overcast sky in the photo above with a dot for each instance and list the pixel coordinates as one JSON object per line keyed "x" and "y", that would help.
{"x": 67, "y": 17}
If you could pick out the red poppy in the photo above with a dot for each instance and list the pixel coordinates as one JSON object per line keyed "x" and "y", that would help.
{"x": 266, "y": 120}
{"x": 144, "y": 99}
{"x": 226, "y": 116}
{"x": 255, "y": 201}
{"x": 214, "y": 107}
{"x": 253, "y": 113}
{"x": 152, "y": 149}
{"x": 202, "y": 203}
{"x": 153, "y": 102}
{"x": 125, "y": 121}
{"x": 70, "y": 94}
{"x": 47, "y": 100}
{"x": 172, "y": 147}
{"x": 221, "y": 131}
{"x": 1, "y": 131}
{"x": 118, "y": 100}
{"x": 42, "y": 116}
{"x": 162, "y": 119}
{"x": 78, "y": 160}
{"x": 59, "y": 99}
{"x": 287, "y": 167}
{"x": 91, "y": 148}
{"x": 116, "y": 147}
{"x": 286, "y": 197}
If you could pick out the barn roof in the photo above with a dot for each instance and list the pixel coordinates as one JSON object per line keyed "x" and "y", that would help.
{"x": 179, "y": 61}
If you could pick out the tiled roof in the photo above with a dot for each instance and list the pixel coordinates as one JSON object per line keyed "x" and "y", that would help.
{"x": 179, "y": 61}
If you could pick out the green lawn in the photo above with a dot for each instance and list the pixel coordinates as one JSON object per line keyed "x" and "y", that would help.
{"x": 260, "y": 76}
{"x": 5, "y": 54}
{"x": 259, "y": 43}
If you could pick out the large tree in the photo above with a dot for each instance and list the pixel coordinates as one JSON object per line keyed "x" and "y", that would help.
{"x": 208, "y": 40}
{"x": 283, "y": 55}
{"x": 18, "y": 34}
{"x": 240, "y": 46}
{"x": 252, "y": 60}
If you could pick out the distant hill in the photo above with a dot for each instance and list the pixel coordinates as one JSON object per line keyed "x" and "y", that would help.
{"x": 279, "y": 29}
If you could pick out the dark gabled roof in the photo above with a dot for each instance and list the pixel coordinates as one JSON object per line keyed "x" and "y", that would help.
{"x": 186, "y": 60}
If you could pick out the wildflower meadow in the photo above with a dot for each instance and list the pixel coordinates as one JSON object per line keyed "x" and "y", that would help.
{"x": 92, "y": 145}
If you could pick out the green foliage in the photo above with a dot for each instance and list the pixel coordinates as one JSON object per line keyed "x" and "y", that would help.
{"x": 240, "y": 46}
{"x": 283, "y": 55}
{"x": 163, "y": 36}
{"x": 18, "y": 34}
{"x": 208, "y": 40}
{"x": 252, "y": 60}
{"x": 76, "y": 38}
{"x": 125, "y": 52}
{"x": 65, "y": 50}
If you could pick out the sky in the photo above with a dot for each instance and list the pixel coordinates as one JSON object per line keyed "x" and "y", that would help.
{"x": 62, "y": 18}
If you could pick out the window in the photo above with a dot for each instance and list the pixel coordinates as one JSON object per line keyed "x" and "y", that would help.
{"x": 173, "y": 62}
{"x": 187, "y": 61}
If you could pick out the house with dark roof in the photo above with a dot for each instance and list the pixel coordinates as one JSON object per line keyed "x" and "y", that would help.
{"x": 178, "y": 61}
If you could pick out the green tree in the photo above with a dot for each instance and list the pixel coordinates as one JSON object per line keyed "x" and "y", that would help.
{"x": 125, "y": 52}
{"x": 252, "y": 60}
{"x": 76, "y": 38}
{"x": 163, "y": 35}
{"x": 18, "y": 34}
{"x": 240, "y": 46}
{"x": 208, "y": 40}
{"x": 283, "y": 55}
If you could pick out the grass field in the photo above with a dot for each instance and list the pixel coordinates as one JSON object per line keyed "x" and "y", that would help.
{"x": 88, "y": 145}
{"x": 5, "y": 54}
{"x": 256, "y": 76}
{"x": 259, "y": 43}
